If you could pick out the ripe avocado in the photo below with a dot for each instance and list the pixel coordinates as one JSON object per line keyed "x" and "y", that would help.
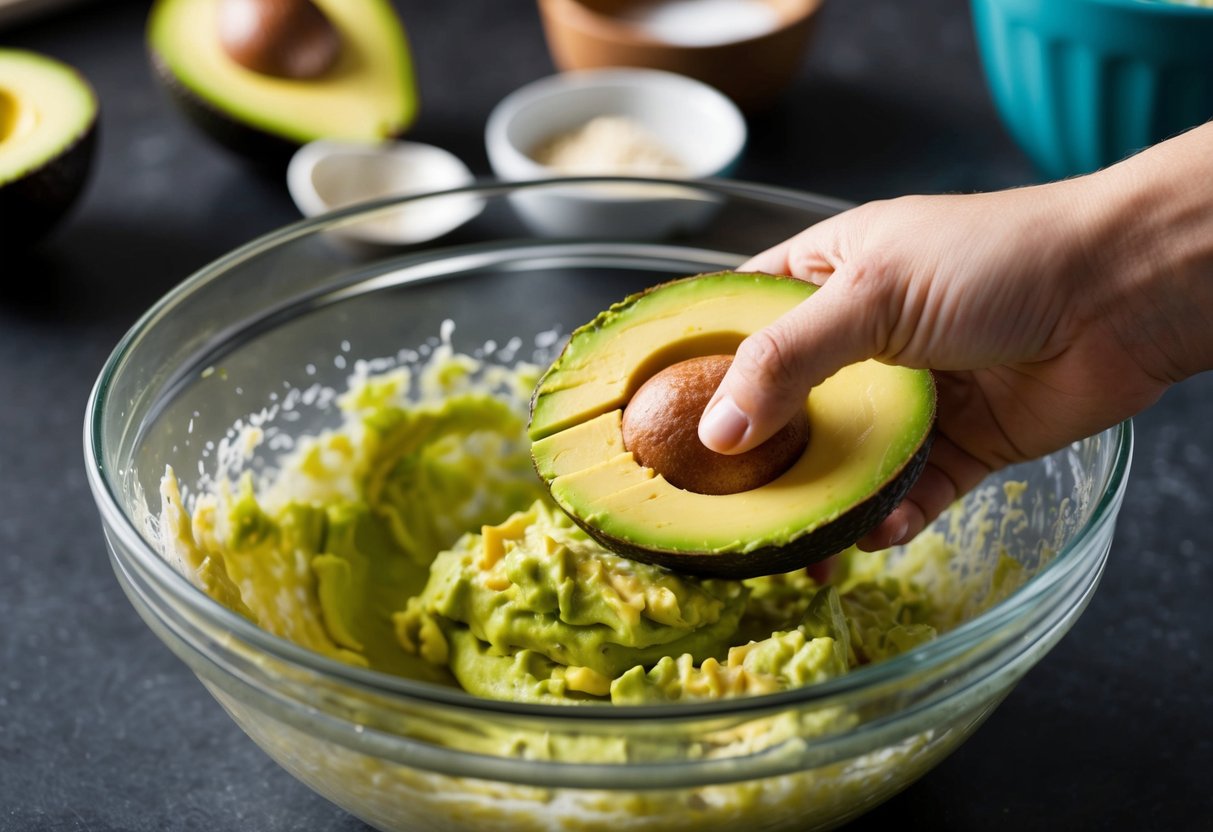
{"x": 48, "y": 123}
{"x": 870, "y": 428}
{"x": 368, "y": 95}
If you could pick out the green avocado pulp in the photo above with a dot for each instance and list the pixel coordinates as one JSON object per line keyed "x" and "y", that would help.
{"x": 45, "y": 110}
{"x": 416, "y": 540}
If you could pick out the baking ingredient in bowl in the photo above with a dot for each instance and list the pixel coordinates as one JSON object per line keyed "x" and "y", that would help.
{"x": 415, "y": 539}
{"x": 608, "y": 146}
{"x": 702, "y": 22}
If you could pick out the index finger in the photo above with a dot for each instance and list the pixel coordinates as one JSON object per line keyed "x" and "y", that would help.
{"x": 804, "y": 256}
{"x": 772, "y": 261}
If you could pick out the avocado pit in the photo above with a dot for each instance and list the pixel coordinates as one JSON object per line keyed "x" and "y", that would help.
{"x": 661, "y": 429}
{"x": 284, "y": 38}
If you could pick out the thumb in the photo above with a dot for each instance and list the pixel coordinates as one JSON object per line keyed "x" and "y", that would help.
{"x": 775, "y": 368}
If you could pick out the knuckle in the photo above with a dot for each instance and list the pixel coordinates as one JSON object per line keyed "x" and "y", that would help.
{"x": 874, "y": 297}
{"x": 809, "y": 263}
{"x": 866, "y": 278}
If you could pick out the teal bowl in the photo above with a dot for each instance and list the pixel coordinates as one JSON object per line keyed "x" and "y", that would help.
{"x": 1081, "y": 84}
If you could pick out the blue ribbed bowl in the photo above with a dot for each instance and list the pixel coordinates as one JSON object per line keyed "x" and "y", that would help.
{"x": 1083, "y": 83}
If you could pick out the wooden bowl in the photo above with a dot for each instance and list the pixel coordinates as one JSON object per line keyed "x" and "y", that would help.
{"x": 752, "y": 70}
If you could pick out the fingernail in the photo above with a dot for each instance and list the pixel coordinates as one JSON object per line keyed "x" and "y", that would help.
{"x": 723, "y": 426}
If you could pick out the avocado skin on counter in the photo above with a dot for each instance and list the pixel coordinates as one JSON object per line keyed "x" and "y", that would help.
{"x": 871, "y": 428}
{"x": 265, "y": 119}
{"x": 36, "y": 196}
{"x": 260, "y": 147}
{"x": 33, "y": 205}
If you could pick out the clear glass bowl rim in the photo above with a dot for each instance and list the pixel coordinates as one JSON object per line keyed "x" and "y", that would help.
{"x": 968, "y": 636}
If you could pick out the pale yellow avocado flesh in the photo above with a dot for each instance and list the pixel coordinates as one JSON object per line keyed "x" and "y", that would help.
{"x": 368, "y": 96}
{"x": 45, "y": 107}
{"x": 866, "y": 422}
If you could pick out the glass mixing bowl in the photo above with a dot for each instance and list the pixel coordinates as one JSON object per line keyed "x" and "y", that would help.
{"x": 264, "y": 335}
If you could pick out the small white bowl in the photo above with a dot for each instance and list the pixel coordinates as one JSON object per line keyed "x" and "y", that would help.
{"x": 696, "y": 124}
{"x": 326, "y": 175}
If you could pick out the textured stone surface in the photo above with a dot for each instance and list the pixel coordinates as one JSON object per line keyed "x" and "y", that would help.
{"x": 102, "y": 729}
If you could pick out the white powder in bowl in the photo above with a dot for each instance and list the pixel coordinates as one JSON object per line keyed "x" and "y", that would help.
{"x": 608, "y": 146}
{"x": 702, "y": 22}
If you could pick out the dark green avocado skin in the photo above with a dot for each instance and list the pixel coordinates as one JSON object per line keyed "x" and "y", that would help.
{"x": 264, "y": 150}
{"x": 267, "y": 152}
{"x": 32, "y": 205}
{"x": 813, "y": 546}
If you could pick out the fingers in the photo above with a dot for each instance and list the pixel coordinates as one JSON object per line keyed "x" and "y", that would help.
{"x": 775, "y": 368}
{"x": 772, "y": 261}
{"x": 949, "y": 473}
{"x": 894, "y": 529}
{"x": 814, "y": 253}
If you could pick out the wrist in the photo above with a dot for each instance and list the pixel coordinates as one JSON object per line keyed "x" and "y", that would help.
{"x": 1148, "y": 236}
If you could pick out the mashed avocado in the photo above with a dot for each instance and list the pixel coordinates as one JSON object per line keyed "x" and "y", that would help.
{"x": 532, "y": 609}
{"x": 415, "y": 539}
{"x": 324, "y": 554}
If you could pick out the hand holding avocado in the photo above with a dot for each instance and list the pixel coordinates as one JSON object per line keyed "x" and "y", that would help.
{"x": 631, "y": 471}
{"x": 1049, "y": 313}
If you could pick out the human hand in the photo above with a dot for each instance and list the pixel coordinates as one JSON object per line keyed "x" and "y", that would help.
{"x": 1040, "y": 310}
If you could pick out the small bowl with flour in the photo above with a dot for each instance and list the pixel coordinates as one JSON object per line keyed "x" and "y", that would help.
{"x": 749, "y": 49}
{"x": 616, "y": 122}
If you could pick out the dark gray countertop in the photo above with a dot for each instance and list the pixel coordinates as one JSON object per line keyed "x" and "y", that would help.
{"x": 101, "y": 728}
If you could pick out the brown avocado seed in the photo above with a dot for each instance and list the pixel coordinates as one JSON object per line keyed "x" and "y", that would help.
{"x": 661, "y": 429}
{"x": 284, "y": 38}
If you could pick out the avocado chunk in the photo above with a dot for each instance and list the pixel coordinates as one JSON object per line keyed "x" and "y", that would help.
{"x": 870, "y": 430}
{"x": 367, "y": 95}
{"x": 48, "y": 122}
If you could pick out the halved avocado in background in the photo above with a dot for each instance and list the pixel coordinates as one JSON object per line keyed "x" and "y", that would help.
{"x": 368, "y": 95}
{"x": 870, "y": 430}
{"x": 48, "y": 124}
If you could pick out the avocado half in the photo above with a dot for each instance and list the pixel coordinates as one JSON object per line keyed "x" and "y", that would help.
{"x": 48, "y": 125}
{"x": 871, "y": 426}
{"x": 368, "y": 96}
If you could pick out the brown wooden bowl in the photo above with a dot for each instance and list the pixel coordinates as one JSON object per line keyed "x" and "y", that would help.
{"x": 584, "y": 34}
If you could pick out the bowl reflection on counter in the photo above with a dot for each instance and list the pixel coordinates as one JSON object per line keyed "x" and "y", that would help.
{"x": 290, "y": 312}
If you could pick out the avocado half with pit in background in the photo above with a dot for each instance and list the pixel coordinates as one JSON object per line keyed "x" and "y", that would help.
{"x": 48, "y": 125}
{"x": 870, "y": 428}
{"x": 366, "y": 93}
